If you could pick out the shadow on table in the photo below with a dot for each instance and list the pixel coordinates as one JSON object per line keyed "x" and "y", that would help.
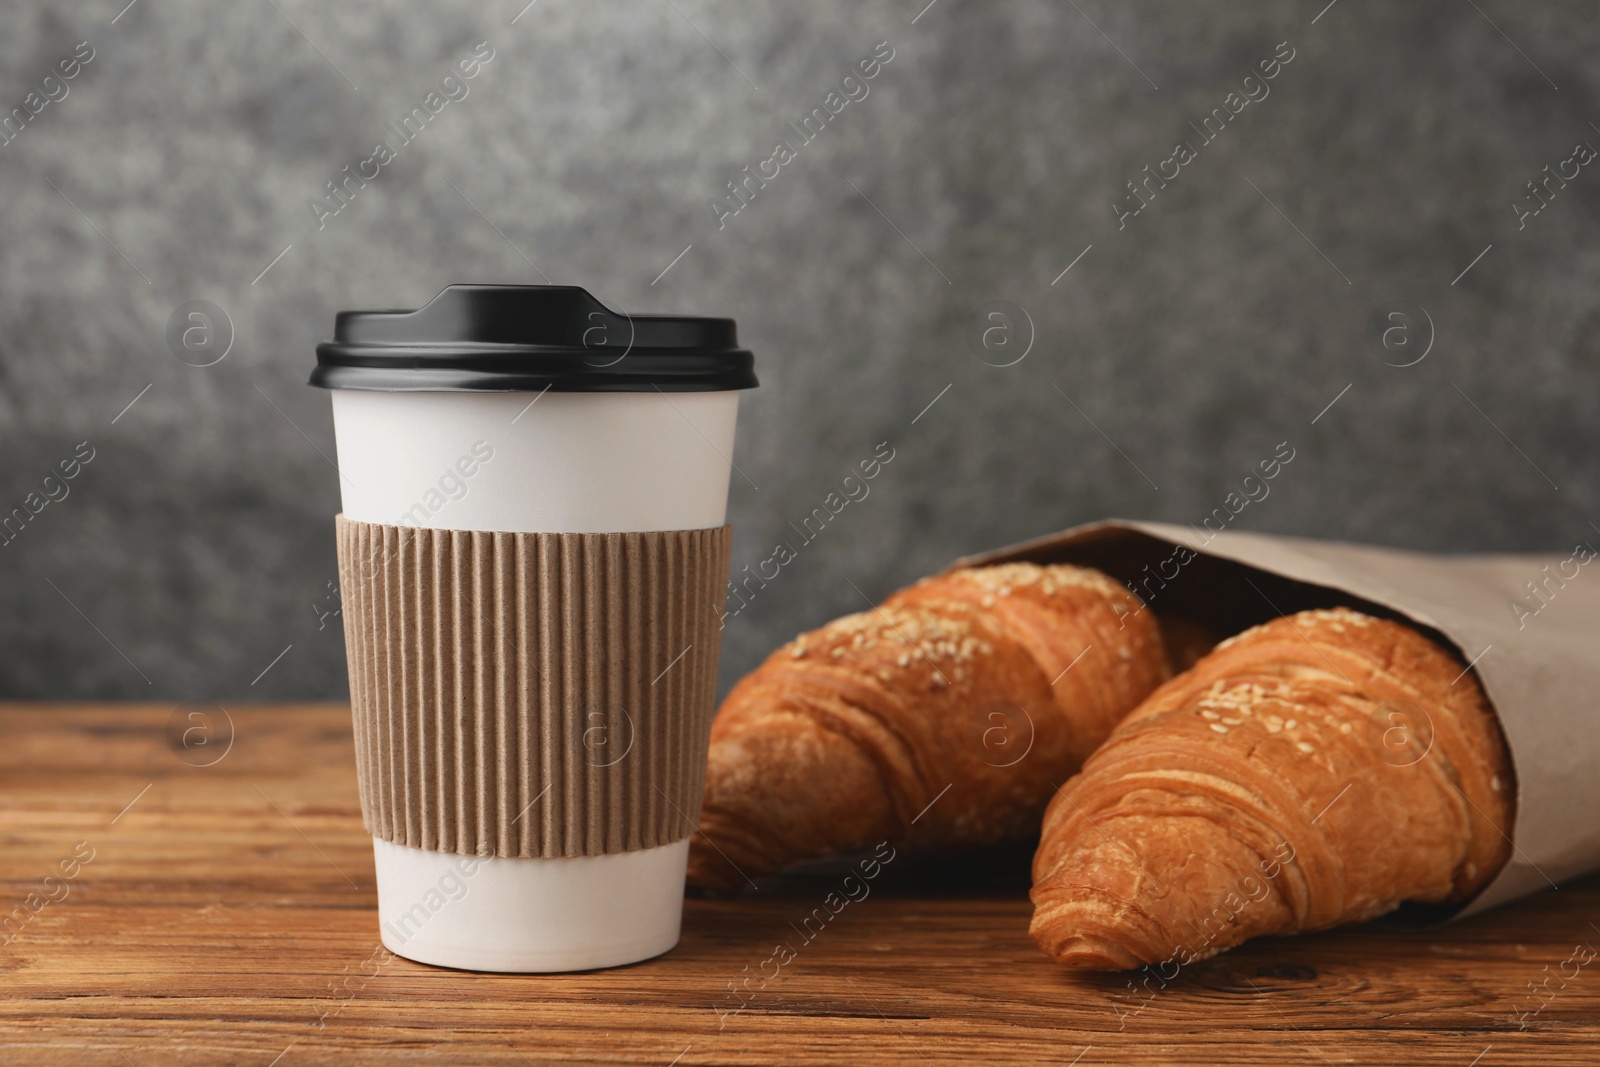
{"x": 994, "y": 872}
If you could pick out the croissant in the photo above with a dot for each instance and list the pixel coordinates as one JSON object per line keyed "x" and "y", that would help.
{"x": 945, "y": 717}
{"x": 1316, "y": 770}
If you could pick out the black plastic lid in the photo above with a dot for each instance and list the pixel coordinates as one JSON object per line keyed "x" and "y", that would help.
{"x": 529, "y": 337}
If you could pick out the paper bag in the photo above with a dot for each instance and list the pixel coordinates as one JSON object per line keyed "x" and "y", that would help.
{"x": 1529, "y": 626}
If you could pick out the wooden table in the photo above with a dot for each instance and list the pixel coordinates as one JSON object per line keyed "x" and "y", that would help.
{"x": 227, "y": 916}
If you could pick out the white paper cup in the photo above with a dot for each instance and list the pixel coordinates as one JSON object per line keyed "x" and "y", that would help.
{"x": 533, "y": 461}
{"x": 570, "y": 463}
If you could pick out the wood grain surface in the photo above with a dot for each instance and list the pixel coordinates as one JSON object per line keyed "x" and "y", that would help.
{"x": 227, "y": 916}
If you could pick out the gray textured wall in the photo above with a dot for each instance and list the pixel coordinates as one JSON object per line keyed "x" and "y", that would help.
{"x": 1218, "y": 322}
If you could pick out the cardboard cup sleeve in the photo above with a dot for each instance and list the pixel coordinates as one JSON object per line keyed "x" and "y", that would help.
{"x": 533, "y": 695}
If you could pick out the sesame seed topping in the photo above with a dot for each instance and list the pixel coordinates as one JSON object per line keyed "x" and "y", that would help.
{"x": 1002, "y": 579}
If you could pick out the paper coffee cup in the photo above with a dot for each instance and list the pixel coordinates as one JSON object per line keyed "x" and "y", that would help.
{"x": 533, "y": 558}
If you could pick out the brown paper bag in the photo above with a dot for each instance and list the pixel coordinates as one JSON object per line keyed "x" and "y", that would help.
{"x": 1528, "y": 625}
